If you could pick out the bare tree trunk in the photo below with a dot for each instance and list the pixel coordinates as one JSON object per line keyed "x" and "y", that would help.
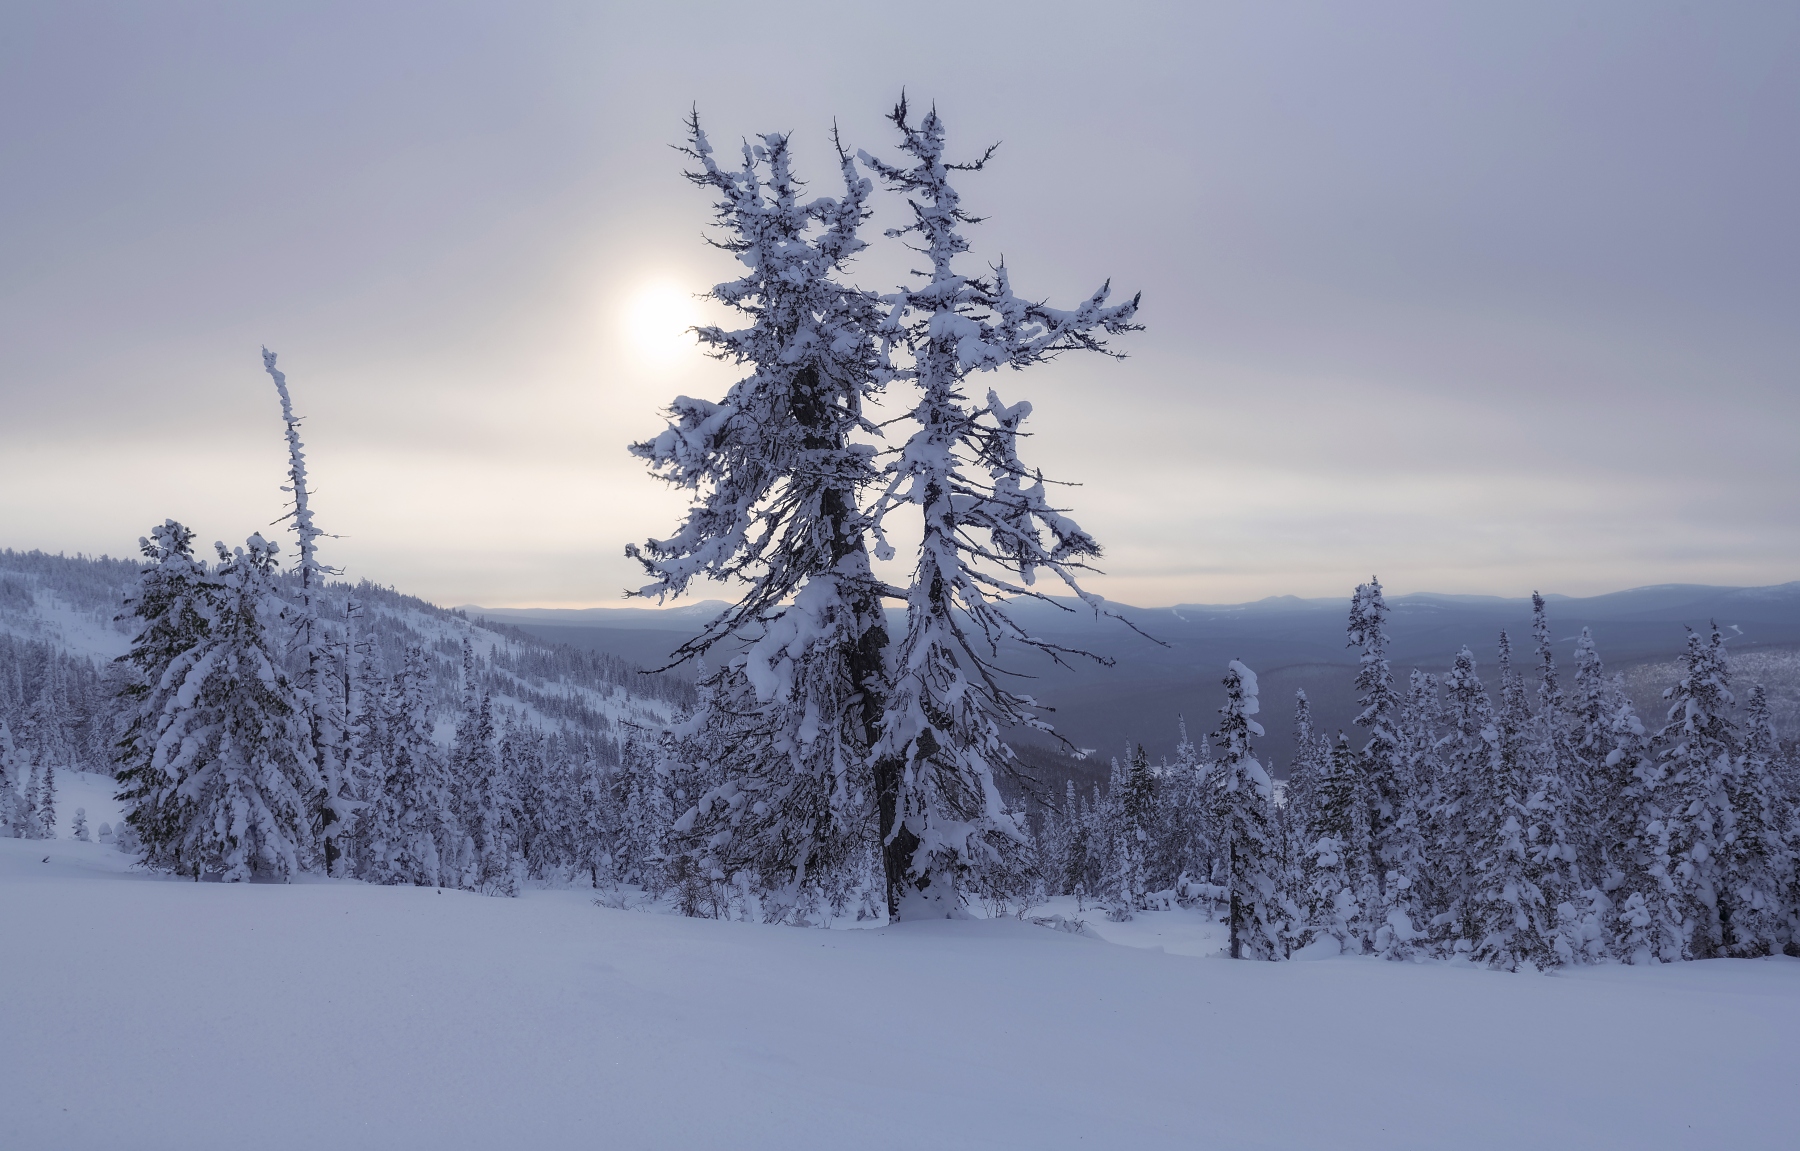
{"x": 1237, "y": 906}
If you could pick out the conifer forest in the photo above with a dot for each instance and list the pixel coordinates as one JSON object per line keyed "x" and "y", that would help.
{"x": 267, "y": 721}
{"x": 808, "y": 777}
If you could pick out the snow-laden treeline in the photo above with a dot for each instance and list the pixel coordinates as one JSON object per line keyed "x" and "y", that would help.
{"x": 1542, "y": 824}
{"x": 412, "y": 678}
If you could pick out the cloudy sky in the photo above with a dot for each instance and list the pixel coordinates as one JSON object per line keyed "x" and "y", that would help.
{"x": 1483, "y": 298}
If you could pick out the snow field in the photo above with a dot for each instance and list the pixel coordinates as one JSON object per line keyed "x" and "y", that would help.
{"x": 147, "y": 1012}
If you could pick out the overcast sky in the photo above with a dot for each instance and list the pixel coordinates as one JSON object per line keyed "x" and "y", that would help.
{"x": 1483, "y": 298}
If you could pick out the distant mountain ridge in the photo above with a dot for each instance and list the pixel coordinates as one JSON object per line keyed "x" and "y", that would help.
{"x": 1292, "y": 642}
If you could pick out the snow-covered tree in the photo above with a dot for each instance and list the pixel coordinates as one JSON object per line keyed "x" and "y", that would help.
{"x": 410, "y": 820}
{"x": 1189, "y": 819}
{"x": 1598, "y": 780}
{"x": 988, "y": 528}
{"x": 220, "y": 767}
{"x": 485, "y": 841}
{"x": 46, "y": 723}
{"x": 595, "y": 819}
{"x": 776, "y": 471}
{"x": 1243, "y": 795}
{"x": 1010, "y": 881}
{"x": 1300, "y": 794}
{"x": 15, "y": 813}
{"x": 1466, "y": 755}
{"x": 324, "y": 722}
{"x": 44, "y": 801}
{"x": 79, "y": 829}
{"x": 366, "y": 744}
{"x": 1642, "y": 921}
{"x": 1554, "y": 835}
{"x": 1392, "y": 820}
{"x": 1756, "y": 865}
{"x": 647, "y": 816}
{"x": 1696, "y": 749}
{"x": 1333, "y": 870}
{"x": 1511, "y": 922}
{"x": 1078, "y": 854}
{"x": 173, "y": 612}
{"x": 1379, "y": 705}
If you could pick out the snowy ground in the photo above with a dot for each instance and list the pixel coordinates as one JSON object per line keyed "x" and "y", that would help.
{"x": 147, "y": 1013}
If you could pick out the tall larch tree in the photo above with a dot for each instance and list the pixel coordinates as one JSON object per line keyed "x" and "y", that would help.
{"x": 777, "y": 469}
{"x": 988, "y": 528}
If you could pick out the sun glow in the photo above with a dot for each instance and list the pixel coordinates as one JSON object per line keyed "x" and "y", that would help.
{"x": 657, "y": 319}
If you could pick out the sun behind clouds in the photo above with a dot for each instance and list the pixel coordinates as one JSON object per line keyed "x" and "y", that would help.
{"x": 658, "y": 318}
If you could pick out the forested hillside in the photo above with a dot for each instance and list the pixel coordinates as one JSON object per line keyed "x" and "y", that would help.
{"x": 559, "y": 717}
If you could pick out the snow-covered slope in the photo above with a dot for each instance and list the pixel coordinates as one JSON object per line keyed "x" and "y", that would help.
{"x": 151, "y": 1013}
{"x": 66, "y": 608}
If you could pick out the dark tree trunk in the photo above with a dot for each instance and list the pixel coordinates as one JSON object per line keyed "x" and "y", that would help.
{"x": 1237, "y": 906}
{"x": 865, "y": 658}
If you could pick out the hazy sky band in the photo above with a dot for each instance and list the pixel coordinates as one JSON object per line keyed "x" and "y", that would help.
{"x": 1481, "y": 300}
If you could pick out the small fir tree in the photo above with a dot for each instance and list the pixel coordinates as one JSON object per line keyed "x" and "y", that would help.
{"x": 1332, "y": 872}
{"x": 1756, "y": 865}
{"x": 1554, "y": 835}
{"x": 1511, "y": 922}
{"x": 14, "y": 811}
{"x": 1697, "y": 749}
{"x": 1243, "y": 796}
{"x": 223, "y": 788}
{"x": 172, "y": 607}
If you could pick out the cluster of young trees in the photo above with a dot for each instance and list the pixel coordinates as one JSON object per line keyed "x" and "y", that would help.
{"x": 57, "y": 706}
{"x": 219, "y": 769}
{"x": 27, "y": 791}
{"x": 265, "y": 733}
{"x": 1543, "y": 825}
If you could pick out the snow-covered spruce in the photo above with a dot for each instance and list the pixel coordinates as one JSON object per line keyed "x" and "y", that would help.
{"x": 1333, "y": 870}
{"x": 1387, "y": 897}
{"x": 218, "y": 765}
{"x": 1756, "y": 866}
{"x": 1243, "y": 794}
{"x": 1511, "y": 920}
{"x": 16, "y": 817}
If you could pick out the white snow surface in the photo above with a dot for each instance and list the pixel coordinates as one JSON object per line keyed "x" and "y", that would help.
{"x": 148, "y": 1012}
{"x": 93, "y": 634}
